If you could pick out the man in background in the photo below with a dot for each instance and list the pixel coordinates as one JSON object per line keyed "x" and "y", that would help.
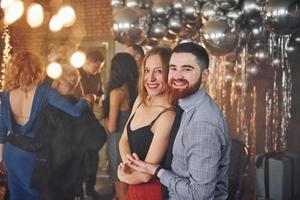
{"x": 137, "y": 53}
{"x": 90, "y": 86}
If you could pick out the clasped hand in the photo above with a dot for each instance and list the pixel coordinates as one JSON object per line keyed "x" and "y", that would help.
{"x": 133, "y": 163}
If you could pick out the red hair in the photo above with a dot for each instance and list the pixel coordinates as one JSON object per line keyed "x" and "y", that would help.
{"x": 24, "y": 70}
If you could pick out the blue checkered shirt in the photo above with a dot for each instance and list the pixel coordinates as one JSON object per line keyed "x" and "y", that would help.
{"x": 200, "y": 152}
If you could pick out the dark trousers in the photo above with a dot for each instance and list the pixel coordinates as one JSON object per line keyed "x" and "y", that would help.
{"x": 57, "y": 194}
{"x": 91, "y": 166}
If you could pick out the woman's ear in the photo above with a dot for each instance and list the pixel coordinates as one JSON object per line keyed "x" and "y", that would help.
{"x": 205, "y": 75}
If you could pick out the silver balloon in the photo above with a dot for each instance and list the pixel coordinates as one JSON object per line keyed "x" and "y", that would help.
{"x": 209, "y": 10}
{"x": 240, "y": 84}
{"x": 117, "y": 3}
{"x": 261, "y": 56}
{"x": 175, "y": 23}
{"x": 237, "y": 15}
{"x": 251, "y": 8}
{"x": 189, "y": 35}
{"x": 227, "y": 4}
{"x": 243, "y": 36}
{"x": 177, "y": 6}
{"x": 282, "y": 17}
{"x": 252, "y": 69}
{"x": 149, "y": 42}
{"x": 136, "y": 3}
{"x": 170, "y": 37}
{"x": 258, "y": 33}
{"x": 158, "y": 30}
{"x": 191, "y": 10}
{"x": 219, "y": 36}
{"x": 262, "y": 2}
{"x": 255, "y": 21}
{"x": 230, "y": 60}
{"x": 293, "y": 49}
{"x": 161, "y": 9}
{"x": 254, "y": 45}
{"x": 193, "y": 24}
{"x": 130, "y": 25}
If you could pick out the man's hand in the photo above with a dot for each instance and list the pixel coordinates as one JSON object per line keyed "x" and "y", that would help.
{"x": 90, "y": 98}
{"x": 140, "y": 166}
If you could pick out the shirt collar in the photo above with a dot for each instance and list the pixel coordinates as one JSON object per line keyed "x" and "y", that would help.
{"x": 189, "y": 102}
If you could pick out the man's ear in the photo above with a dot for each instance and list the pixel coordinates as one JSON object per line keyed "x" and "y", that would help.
{"x": 205, "y": 75}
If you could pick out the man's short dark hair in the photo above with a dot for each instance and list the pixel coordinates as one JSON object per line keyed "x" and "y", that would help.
{"x": 95, "y": 56}
{"x": 195, "y": 49}
{"x": 138, "y": 49}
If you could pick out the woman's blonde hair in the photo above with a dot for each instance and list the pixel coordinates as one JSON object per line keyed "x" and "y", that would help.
{"x": 24, "y": 70}
{"x": 71, "y": 77}
{"x": 164, "y": 55}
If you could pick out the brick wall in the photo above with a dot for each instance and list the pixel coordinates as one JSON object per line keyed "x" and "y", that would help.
{"x": 93, "y": 20}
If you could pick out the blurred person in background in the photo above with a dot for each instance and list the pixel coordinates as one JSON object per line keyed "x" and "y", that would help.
{"x": 69, "y": 140}
{"x": 121, "y": 93}
{"x": 137, "y": 53}
{"x": 24, "y": 97}
{"x": 90, "y": 86}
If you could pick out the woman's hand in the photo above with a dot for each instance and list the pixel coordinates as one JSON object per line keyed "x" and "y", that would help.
{"x": 123, "y": 171}
{"x": 140, "y": 166}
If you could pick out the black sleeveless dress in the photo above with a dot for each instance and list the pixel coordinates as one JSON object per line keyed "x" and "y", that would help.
{"x": 139, "y": 142}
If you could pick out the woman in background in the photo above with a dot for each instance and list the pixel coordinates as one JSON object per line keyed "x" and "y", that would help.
{"x": 148, "y": 129}
{"x": 121, "y": 93}
{"x": 25, "y": 95}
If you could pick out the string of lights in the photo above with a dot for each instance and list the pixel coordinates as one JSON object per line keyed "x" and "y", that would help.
{"x": 6, "y": 54}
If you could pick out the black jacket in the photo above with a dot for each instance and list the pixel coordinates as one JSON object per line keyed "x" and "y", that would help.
{"x": 63, "y": 142}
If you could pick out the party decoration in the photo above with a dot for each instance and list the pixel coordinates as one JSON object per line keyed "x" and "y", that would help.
{"x": 209, "y": 10}
{"x": 158, "y": 30}
{"x": 293, "y": 48}
{"x": 219, "y": 37}
{"x": 35, "y": 15}
{"x": 14, "y": 12}
{"x": 177, "y": 6}
{"x": 175, "y": 23}
{"x": 251, "y": 8}
{"x": 282, "y": 17}
{"x": 54, "y": 70}
{"x": 258, "y": 33}
{"x": 243, "y": 36}
{"x": 261, "y": 56}
{"x": 55, "y": 23}
{"x": 67, "y": 16}
{"x": 77, "y": 59}
{"x": 117, "y": 3}
{"x": 252, "y": 69}
{"x": 237, "y": 15}
{"x": 161, "y": 9}
{"x": 189, "y": 35}
{"x": 227, "y": 4}
{"x": 137, "y": 3}
{"x": 6, "y": 54}
{"x": 130, "y": 25}
{"x": 191, "y": 10}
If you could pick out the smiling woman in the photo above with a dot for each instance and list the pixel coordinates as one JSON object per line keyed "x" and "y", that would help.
{"x": 148, "y": 128}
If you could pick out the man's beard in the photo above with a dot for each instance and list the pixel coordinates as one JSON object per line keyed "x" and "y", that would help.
{"x": 189, "y": 90}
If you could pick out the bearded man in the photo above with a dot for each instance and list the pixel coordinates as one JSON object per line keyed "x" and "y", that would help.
{"x": 202, "y": 144}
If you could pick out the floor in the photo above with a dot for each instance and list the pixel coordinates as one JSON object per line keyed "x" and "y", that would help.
{"x": 104, "y": 186}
